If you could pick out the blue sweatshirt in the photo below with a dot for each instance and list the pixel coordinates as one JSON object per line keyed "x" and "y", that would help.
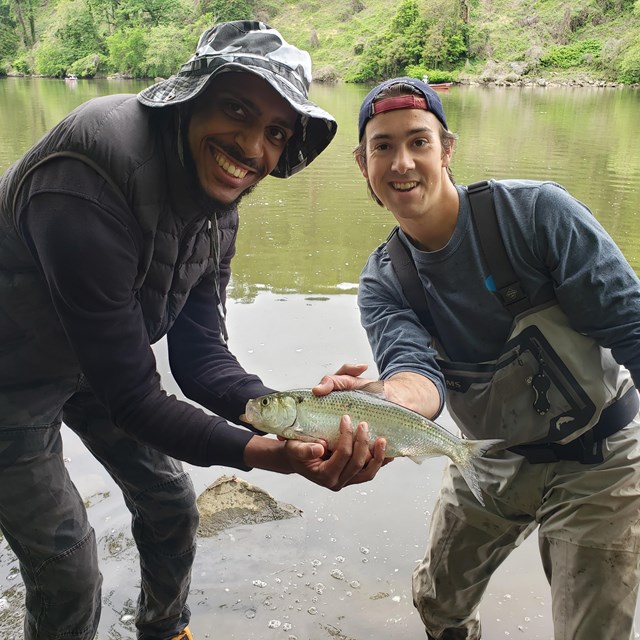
{"x": 557, "y": 248}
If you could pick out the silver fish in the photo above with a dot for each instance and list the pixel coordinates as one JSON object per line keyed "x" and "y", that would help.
{"x": 299, "y": 414}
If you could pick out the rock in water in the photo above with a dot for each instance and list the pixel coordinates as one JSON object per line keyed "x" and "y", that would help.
{"x": 232, "y": 501}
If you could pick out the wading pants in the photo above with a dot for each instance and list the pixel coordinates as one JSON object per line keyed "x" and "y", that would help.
{"x": 43, "y": 519}
{"x": 588, "y": 519}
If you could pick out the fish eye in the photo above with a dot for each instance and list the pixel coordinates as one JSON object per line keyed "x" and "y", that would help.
{"x": 264, "y": 402}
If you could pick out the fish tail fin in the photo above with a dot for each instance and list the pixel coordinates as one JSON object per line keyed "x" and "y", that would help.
{"x": 474, "y": 449}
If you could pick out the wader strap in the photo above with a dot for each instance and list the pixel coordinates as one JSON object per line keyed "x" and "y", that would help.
{"x": 586, "y": 449}
{"x": 407, "y": 273}
{"x": 508, "y": 287}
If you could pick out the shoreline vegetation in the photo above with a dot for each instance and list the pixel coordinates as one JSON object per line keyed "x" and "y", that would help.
{"x": 594, "y": 43}
{"x": 553, "y": 79}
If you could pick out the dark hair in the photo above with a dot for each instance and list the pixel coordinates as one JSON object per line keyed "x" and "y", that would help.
{"x": 447, "y": 138}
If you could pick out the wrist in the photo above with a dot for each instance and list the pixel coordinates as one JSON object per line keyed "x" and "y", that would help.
{"x": 263, "y": 452}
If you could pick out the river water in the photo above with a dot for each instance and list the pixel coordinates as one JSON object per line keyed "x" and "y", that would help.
{"x": 342, "y": 570}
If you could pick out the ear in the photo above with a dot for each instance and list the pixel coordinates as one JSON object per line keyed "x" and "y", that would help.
{"x": 447, "y": 154}
{"x": 362, "y": 165}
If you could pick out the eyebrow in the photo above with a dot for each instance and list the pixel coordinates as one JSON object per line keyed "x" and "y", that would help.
{"x": 409, "y": 132}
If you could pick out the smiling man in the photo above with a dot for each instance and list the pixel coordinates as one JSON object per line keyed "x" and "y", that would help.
{"x": 118, "y": 229}
{"x": 536, "y": 343}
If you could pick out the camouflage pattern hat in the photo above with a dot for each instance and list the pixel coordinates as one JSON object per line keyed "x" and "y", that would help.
{"x": 254, "y": 47}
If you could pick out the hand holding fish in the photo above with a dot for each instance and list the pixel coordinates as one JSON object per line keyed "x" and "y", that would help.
{"x": 411, "y": 390}
{"x": 351, "y": 460}
{"x": 345, "y": 378}
{"x": 299, "y": 414}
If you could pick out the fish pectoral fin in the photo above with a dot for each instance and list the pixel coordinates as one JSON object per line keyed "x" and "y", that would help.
{"x": 295, "y": 432}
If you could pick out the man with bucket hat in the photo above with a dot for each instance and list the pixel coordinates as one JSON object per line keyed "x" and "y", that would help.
{"x": 118, "y": 228}
{"x": 507, "y": 300}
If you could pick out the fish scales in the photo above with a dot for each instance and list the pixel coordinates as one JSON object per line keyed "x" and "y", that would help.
{"x": 406, "y": 432}
{"x": 301, "y": 415}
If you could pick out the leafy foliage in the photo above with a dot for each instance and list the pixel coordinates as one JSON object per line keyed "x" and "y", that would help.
{"x": 433, "y": 75}
{"x": 571, "y": 55}
{"x": 354, "y": 40}
{"x": 630, "y": 63}
{"x": 429, "y": 33}
{"x": 224, "y": 10}
{"x": 127, "y": 51}
{"x": 167, "y": 49}
{"x": 51, "y": 59}
{"x": 9, "y": 39}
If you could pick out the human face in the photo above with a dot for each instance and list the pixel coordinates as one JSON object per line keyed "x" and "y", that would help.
{"x": 237, "y": 133}
{"x": 405, "y": 162}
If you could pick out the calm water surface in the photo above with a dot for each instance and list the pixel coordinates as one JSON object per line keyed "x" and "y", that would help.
{"x": 343, "y": 569}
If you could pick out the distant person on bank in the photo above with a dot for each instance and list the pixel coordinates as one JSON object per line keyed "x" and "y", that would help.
{"x": 549, "y": 362}
{"x": 118, "y": 228}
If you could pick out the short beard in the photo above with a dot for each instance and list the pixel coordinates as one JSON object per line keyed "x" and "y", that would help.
{"x": 222, "y": 208}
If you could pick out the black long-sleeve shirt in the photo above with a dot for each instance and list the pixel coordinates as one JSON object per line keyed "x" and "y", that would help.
{"x": 88, "y": 245}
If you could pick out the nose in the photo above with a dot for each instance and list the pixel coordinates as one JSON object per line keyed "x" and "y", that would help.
{"x": 250, "y": 140}
{"x": 402, "y": 161}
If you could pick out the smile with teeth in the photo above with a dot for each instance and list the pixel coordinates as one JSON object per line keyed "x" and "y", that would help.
{"x": 404, "y": 186}
{"x": 231, "y": 169}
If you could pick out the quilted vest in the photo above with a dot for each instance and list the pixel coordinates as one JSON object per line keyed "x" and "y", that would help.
{"x": 135, "y": 150}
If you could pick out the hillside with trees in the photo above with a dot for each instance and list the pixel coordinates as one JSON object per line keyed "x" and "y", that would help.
{"x": 349, "y": 40}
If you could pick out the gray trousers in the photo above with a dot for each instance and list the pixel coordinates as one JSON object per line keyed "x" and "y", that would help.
{"x": 588, "y": 520}
{"x": 44, "y": 520}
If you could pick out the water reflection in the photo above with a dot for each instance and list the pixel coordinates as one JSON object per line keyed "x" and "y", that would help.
{"x": 313, "y": 232}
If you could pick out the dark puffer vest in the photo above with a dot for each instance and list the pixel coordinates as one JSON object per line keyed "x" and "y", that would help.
{"x": 135, "y": 150}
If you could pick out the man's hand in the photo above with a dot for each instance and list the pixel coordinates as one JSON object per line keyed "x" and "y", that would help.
{"x": 344, "y": 379}
{"x": 351, "y": 462}
{"x": 408, "y": 389}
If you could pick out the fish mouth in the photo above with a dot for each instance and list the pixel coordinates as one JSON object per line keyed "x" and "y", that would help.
{"x": 251, "y": 413}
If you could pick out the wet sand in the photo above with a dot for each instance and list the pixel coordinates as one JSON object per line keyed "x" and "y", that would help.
{"x": 340, "y": 571}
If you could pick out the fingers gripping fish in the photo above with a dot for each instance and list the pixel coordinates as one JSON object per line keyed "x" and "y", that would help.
{"x": 299, "y": 414}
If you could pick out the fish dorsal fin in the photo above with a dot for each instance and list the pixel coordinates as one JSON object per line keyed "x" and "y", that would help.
{"x": 375, "y": 388}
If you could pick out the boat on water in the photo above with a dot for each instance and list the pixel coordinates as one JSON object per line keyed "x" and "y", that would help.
{"x": 71, "y": 77}
{"x": 438, "y": 86}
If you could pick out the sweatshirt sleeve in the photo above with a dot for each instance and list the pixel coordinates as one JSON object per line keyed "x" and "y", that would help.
{"x": 594, "y": 283}
{"x": 397, "y": 338}
{"x": 202, "y": 364}
{"x": 87, "y": 247}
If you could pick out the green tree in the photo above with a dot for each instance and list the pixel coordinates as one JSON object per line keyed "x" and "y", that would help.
{"x": 24, "y": 13}
{"x": 77, "y": 29}
{"x": 630, "y": 63}
{"x": 127, "y": 51}
{"x": 51, "y": 58}
{"x": 167, "y": 48}
{"x": 431, "y": 33}
{"x": 130, "y": 13}
{"x": 73, "y": 36}
{"x": 223, "y": 10}
{"x": 9, "y": 40}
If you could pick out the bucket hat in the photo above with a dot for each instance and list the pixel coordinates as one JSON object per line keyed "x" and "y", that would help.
{"x": 254, "y": 47}
{"x": 368, "y": 108}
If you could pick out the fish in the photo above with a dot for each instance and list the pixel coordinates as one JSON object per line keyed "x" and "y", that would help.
{"x": 300, "y": 415}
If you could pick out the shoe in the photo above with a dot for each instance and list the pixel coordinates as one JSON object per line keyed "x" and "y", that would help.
{"x": 185, "y": 634}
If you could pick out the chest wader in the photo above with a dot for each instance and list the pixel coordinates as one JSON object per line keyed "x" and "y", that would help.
{"x": 553, "y": 393}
